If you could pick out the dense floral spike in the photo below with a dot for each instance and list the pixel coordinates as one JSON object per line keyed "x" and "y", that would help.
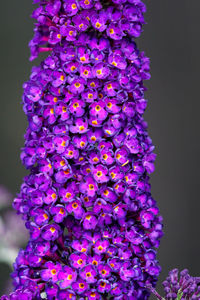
{"x": 93, "y": 223}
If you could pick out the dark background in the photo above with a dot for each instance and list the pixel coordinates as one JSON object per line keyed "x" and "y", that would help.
{"x": 172, "y": 40}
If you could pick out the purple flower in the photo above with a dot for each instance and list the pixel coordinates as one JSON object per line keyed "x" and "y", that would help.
{"x": 66, "y": 277}
{"x": 88, "y": 273}
{"x": 98, "y": 110}
{"x": 70, "y": 7}
{"x": 104, "y": 270}
{"x": 89, "y": 186}
{"x": 50, "y": 232}
{"x": 101, "y": 246}
{"x": 100, "y": 173}
{"x": 80, "y": 286}
{"x": 50, "y": 272}
{"x": 87, "y": 200}
{"x": 75, "y": 208}
{"x": 81, "y": 246}
{"x": 99, "y": 21}
{"x": 78, "y": 260}
{"x": 77, "y": 86}
{"x": 59, "y": 213}
{"x": 89, "y": 221}
{"x": 103, "y": 286}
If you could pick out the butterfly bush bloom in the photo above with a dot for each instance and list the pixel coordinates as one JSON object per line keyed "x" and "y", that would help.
{"x": 179, "y": 286}
{"x": 94, "y": 226}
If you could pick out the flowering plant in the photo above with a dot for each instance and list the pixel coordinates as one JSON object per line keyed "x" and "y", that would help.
{"x": 94, "y": 226}
{"x": 184, "y": 288}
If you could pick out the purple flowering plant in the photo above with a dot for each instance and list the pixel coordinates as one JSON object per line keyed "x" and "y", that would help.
{"x": 94, "y": 226}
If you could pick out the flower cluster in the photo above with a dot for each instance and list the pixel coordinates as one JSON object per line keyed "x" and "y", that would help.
{"x": 59, "y": 21}
{"x": 183, "y": 287}
{"x": 186, "y": 287}
{"x": 93, "y": 223}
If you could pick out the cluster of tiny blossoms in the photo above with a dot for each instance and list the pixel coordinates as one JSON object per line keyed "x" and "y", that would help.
{"x": 94, "y": 226}
{"x": 184, "y": 286}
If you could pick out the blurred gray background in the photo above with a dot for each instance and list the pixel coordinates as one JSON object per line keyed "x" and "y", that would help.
{"x": 172, "y": 40}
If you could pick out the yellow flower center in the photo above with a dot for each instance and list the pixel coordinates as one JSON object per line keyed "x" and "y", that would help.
{"x": 95, "y": 159}
{"x": 66, "y": 172}
{"x": 64, "y": 108}
{"x": 103, "y": 284}
{"x": 90, "y": 96}
{"x": 62, "y": 163}
{"x": 77, "y": 84}
{"x": 114, "y": 63}
{"x": 73, "y": 68}
{"x": 45, "y": 216}
{"x": 81, "y": 128}
{"x": 113, "y": 175}
{"x": 99, "y": 173}
{"x": 53, "y": 272}
{"x": 52, "y": 229}
{"x": 91, "y": 187}
{"x": 98, "y": 25}
{"x": 80, "y": 261}
{"x": 74, "y": 6}
{"x": 112, "y": 265}
{"x": 75, "y": 105}
{"x": 75, "y": 205}
{"x": 53, "y": 196}
{"x": 98, "y": 108}
{"x": 61, "y": 211}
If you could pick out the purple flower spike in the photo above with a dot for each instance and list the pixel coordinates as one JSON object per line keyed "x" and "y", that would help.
{"x": 87, "y": 202}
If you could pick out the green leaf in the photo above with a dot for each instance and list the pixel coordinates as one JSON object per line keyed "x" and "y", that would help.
{"x": 180, "y": 294}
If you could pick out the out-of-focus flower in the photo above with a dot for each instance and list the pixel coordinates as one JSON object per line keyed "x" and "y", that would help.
{"x": 179, "y": 286}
